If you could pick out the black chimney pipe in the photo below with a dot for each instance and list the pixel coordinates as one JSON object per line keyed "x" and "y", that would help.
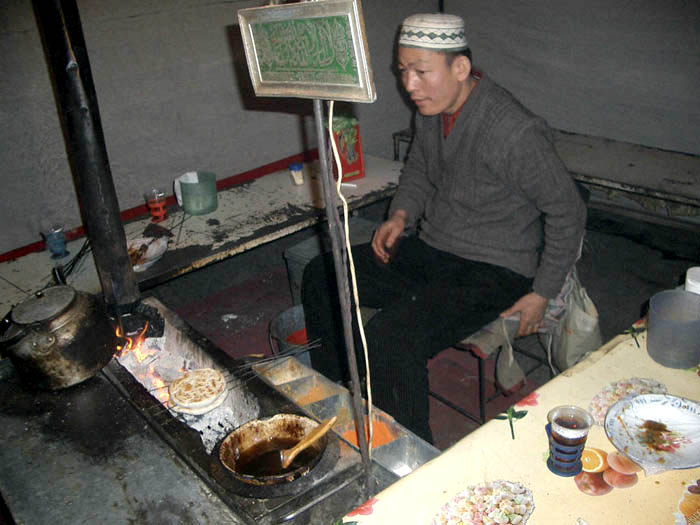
{"x": 74, "y": 90}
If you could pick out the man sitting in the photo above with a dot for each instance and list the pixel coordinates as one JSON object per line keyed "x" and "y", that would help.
{"x": 498, "y": 219}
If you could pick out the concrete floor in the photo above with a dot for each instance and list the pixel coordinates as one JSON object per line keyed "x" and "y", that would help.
{"x": 624, "y": 262}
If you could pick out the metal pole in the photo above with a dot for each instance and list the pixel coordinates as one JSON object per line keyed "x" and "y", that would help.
{"x": 339, "y": 260}
{"x": 69, "y": 68}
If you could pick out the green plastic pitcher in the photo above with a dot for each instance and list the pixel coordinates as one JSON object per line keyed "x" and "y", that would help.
{"x": 196, "y": 192}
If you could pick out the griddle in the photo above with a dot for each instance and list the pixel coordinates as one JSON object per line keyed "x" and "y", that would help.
{"x": 112, "y": 422}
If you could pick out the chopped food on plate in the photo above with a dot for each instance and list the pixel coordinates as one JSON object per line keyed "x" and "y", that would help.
{"x": 137, "y": 253}
{"x": 657, "y": 436}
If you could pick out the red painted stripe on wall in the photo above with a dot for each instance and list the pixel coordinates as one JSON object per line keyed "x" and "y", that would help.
{"x": 139, "y": 211}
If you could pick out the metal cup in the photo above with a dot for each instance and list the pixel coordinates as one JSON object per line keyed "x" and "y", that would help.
{"x": 567, "y": 431}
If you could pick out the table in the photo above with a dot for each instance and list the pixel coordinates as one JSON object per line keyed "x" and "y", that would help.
{"x": 618, "y": 166}
{"x": 489, "y": 454}
{"x": 248, "y": 215}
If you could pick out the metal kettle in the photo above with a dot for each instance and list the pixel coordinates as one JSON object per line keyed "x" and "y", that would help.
{"x": 59, "y": 337}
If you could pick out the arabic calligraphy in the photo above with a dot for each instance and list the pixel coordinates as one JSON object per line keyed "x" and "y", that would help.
{"x": 306, "y": 50}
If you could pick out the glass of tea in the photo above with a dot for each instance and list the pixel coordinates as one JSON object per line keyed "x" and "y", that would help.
{"x": 155, "y": 200}
{"x": 567, "y": 430}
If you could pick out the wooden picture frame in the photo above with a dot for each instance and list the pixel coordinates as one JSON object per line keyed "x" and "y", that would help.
{"x": 314, "y": 50}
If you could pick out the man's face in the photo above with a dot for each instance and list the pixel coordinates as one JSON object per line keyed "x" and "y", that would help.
{"x": 434, "y": 85}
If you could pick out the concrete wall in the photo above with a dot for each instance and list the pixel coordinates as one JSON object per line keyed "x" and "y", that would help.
{"x": 623, "y": 70}
{"x": 174, "y": 96}
{"x": 174, "y": 92}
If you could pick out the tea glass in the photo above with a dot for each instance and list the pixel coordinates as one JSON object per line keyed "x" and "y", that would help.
{"x": 567, "y": 430}
{"x": 155, "y": 200}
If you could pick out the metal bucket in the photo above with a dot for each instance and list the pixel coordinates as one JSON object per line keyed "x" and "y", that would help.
{"x": 283, "y": 326}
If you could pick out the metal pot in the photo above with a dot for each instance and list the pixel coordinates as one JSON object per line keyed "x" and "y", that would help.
{"x": 59, "y": 337}
{"x": 242, "y": 449}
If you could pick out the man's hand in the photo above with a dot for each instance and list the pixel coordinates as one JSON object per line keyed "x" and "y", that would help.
{"x": 531, "y": 308}
{"x": 387, "y": 234}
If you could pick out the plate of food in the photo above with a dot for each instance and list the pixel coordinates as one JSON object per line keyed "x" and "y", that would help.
{"x": 619, "y": 390}
{"x": 145, "y": 251}
{"x": 505, "y": 502}
{"x": 657, "y": 431}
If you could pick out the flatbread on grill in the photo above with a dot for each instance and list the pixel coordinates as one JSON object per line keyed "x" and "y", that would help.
{"x": 201, "y": 410}
{"x": 197, "y": 388}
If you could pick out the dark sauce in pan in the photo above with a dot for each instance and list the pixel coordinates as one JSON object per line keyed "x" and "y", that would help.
{"x": 263, "y": 459}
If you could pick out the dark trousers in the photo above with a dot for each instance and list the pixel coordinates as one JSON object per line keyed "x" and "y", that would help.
{"x": 428, "y": 301}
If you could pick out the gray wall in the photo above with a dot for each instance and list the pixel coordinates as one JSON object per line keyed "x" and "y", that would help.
{"x": 623, "y": 70}
{"x": 174, "y": 93}
{"x": 174, "y": 96}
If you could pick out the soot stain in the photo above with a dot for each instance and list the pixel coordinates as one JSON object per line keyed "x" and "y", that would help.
{"x": 92, "y": 423}
{"x": 219, "y": 236}
{"x": 164, "y": 511}
{"x": 25, "y": 402}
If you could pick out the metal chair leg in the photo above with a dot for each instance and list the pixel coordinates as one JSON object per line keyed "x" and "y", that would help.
{"x": 482, "y": 391}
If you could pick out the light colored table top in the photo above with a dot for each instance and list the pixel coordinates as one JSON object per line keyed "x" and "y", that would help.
{"x": 489, "y": 454}
{"x": 248, "y": 215}
{"x": 631, "y": 167}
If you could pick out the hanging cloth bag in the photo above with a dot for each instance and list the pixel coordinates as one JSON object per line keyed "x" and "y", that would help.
{"x": 580, "y": 331}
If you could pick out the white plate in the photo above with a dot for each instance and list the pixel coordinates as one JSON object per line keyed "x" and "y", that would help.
{"x": 680, "y": 446}
{"x": 155, "y": 251}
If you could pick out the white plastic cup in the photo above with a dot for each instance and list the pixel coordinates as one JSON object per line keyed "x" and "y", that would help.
{"x": 297, "y": 173}
{"x": 692, "y": 279}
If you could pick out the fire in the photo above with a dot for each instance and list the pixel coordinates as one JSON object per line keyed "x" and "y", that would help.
{"x": 162, "y": 393}
{"x": 133, "y": 344}
{"x": 149, "y": 376}
{"x": 155, "y": 384}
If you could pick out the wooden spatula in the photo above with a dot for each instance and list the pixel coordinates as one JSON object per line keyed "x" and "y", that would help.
{"x": 288, "y": 455}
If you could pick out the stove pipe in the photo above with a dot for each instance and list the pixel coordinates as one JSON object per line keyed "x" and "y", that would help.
{"x": 64, "y": 45}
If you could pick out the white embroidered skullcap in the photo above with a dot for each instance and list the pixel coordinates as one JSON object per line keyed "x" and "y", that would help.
{"x": 435, "y": 31}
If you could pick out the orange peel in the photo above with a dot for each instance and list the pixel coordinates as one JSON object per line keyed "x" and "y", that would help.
{"x": 594, "y": 460}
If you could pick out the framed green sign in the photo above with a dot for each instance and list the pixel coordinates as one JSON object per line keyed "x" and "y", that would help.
{"x": 311, "y": 49}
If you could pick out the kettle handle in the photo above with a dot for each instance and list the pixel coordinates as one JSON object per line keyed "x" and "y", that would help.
{"x": 10, "y": 333}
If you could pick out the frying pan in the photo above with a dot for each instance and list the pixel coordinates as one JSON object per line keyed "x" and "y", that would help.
{"x": 243, "y": 451}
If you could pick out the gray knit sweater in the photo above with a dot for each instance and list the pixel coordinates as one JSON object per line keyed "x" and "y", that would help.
{"x": 495, "y": 190}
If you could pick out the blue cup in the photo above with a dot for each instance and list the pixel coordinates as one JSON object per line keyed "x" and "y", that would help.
{"x": 567, "y": 431}
{"x": 56, "y": 242}
{"x": 563, "y": 460}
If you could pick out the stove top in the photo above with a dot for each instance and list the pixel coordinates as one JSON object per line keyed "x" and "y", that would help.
{"x": 338, "y": 483}
{"x": 337, "y": 479}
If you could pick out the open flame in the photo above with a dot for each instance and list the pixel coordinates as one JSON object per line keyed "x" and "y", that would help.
{"x": 150, "y": 378}
{"x": 133, "y": 344}
{"x": 157, "y": 385}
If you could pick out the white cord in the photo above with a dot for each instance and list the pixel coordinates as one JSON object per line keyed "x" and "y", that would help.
{"x": 353, "y": 279}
